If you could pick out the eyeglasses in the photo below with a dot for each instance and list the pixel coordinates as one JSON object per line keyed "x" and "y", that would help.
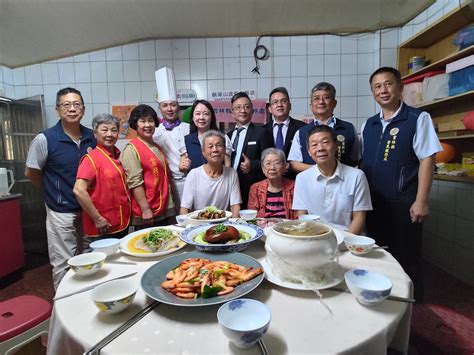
{"x": 240, "y": 107}
{"x": 269, "y": 164}
{"x": 67, "y": 105}
{"x": 277, "y": 102}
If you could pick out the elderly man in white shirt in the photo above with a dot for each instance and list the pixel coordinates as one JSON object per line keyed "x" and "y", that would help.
{"x": 336, "y": 192}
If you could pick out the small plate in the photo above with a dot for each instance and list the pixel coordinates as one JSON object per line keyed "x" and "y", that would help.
{"x": 275, "y": 279}
{"x": 156, "y": 274}
{"x": 124, "y": 243}
{"x": 192, "y": 218}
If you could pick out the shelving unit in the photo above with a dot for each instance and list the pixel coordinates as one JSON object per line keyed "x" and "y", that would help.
{"x": 435, "y": 43}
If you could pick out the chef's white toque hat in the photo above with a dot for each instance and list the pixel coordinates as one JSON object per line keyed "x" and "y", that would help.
{"x": 165, "y": 85}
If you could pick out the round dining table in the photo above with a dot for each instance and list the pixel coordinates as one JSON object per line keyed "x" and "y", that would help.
{"x": 302, "y": 322}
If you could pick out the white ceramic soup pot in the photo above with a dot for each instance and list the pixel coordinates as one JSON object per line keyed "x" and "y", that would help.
{"x": 306, "y": 244}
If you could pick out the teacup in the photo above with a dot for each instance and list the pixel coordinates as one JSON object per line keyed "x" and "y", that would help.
{"x": 182, "y": 220}
{"x": 244, "y": 321}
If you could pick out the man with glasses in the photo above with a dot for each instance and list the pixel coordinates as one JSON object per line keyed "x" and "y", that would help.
{"x": 247, "y": 145}
{"x": 279, "y": 132}
{"x": 52, "y": 162}
{"x": 323, "y": 103}
{"x": 336, "y": 192}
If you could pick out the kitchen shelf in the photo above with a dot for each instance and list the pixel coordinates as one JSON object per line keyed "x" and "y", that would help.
{"x": 441, "y": 64}
{"x": 435, "y": 43}
{"x": 468, "y": 179}
{"x": 455, "y": 135}
{"x": 450, "y": 100}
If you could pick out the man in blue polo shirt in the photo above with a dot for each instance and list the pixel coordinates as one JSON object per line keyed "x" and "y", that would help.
{"x": 323, "y": 103}
{"x": 399, "y": 145}
{"x": 51, "y": 164}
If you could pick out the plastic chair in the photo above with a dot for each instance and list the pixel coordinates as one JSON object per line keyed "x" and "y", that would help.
{"x": 22, "y": 319}
{"x": 437, "y": 329}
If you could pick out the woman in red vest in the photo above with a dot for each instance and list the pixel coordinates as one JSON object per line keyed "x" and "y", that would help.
{"x": 147, "y": 172}
{"x": 101, "y": 187}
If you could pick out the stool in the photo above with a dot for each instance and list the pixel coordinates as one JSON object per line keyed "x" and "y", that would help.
{"x": 440, "y": 330}
{"x": 22, "y": 319}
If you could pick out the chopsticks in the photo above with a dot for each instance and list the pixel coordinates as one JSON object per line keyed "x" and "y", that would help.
{"x": 95, "y": 350}
{"x": 92, "y": 286}
{"x": 390, "y": 297}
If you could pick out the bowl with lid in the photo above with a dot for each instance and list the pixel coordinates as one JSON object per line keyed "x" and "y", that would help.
{"x": 306, "y": 244}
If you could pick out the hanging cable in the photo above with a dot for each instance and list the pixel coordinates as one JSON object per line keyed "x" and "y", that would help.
{"x": 259, "y": 53}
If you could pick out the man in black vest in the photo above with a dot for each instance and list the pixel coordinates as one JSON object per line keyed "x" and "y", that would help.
{"x": 399, "y": 144}
{"x": 323, "y": 103}
{"x": 247, "y": 145}
{"x": 279, "y": 132}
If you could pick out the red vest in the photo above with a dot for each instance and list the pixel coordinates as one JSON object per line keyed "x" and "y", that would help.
{"x": 110, "y": 194}
{"x": 155, "y": 177}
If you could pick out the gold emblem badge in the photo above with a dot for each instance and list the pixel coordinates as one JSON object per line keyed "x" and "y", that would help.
{"x": 341, "y": 138}
{"x": 394, "y": 131}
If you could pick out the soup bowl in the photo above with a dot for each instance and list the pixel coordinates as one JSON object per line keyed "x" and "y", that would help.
{"x": 305, "y": 244}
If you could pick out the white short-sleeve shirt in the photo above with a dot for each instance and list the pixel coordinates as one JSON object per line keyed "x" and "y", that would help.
{"x": 333, "y": 198}
{"x": 200, "y": 190}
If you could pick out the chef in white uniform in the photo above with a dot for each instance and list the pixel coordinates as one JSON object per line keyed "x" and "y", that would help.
{"x": 171, "y": 131}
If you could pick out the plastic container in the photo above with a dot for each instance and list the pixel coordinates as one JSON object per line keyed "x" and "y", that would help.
{"x": 461, "y": 81}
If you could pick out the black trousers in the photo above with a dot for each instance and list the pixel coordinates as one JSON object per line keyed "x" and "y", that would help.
{"x": 390, "y": 224}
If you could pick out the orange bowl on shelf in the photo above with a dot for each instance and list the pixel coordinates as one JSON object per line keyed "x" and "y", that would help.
{"x": 447, "y": 154}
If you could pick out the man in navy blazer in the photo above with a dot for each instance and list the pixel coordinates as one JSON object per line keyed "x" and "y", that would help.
{"x": 279, "y": 132}
{"x": 247, "y": 145}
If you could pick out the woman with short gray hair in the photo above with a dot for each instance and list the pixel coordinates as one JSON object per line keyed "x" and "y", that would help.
{"x": 273, "y": 197}
{"x": 101, "y": 187}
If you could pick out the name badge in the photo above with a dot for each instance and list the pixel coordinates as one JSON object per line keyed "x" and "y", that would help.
{"x": 252, "y": 143}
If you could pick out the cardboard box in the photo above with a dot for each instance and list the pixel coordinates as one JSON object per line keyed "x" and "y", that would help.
{"x": 451, "y": 126}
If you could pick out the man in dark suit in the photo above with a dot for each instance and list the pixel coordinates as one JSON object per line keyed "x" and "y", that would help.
{"x": 247, "y": 145}
{"x": 279, "y": 132}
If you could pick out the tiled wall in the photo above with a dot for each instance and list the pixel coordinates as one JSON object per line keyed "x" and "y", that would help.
{"x": 125, "y": 74}
{"x": 448, "y": 238}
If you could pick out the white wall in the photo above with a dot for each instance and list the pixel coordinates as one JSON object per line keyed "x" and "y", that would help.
{"x": 125, "y": 74}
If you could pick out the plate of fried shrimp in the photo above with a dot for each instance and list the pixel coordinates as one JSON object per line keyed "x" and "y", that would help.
{"x": 201, "y": 279}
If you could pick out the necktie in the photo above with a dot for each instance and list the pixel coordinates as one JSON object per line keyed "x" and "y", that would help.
{"x": 279, "y": 138}
{"x": 235, "y": 144}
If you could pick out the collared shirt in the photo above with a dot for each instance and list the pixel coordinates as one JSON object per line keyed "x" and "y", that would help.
{"x": 425, "y": 140}
{"x": 240, "y": 146}
{"x": 284, "y": 129}
{"x": 296, "y": 154}
{"x": 333, "y": 198}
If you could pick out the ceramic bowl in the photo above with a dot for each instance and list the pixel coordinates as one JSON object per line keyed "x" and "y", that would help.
{"x": 189, "y": 234}
{"x": 368, "y": 287}
{"x": 108, "y": 246}
{"x": 114, "y": 296}
{"x": 244, "y": 321}
{"x": 87, "y": 264}
{"x": 182, "y": 220}
{"x": 309, "y": 217}
{"x": 305, "y": 244}
{"x": 358, "y": 244}
{"x": 248, "y": 215}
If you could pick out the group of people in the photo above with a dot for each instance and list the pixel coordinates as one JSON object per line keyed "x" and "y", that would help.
{"x": 377, "y": 183}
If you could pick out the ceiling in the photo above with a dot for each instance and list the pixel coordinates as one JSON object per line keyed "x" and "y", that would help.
{"x": 33, "y": 31}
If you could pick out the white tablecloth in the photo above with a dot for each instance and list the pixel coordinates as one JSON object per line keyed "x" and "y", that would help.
{"x": 300, "y": 325}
